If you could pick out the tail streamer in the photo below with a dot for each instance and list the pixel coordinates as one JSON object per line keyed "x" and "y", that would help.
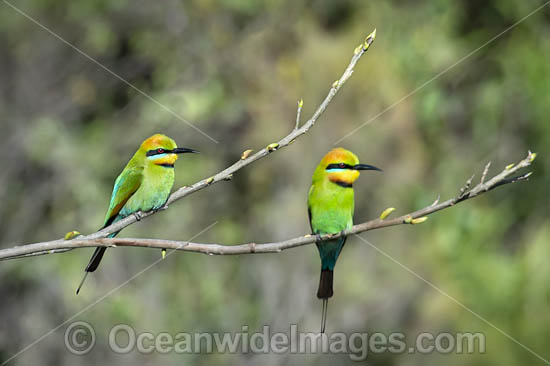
{"x": 324, "y": 315}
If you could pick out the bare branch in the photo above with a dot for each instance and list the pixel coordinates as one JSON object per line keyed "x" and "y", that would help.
{"x": 415, "y": 217}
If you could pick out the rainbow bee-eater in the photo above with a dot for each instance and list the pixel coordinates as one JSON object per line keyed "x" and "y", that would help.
{"x": 330, "y": 208}
{"x": 144, "y": 185}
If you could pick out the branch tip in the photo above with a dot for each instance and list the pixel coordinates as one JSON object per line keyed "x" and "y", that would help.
{"x": 436, "y": 201}
{"x": 298, "y": 113}
{"x": 466, "y": 186}
{"x": 368, "y": 41}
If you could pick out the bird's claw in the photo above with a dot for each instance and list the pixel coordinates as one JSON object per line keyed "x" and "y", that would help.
{"x": 161, "y": 208}
{"x": 137, "y": 215}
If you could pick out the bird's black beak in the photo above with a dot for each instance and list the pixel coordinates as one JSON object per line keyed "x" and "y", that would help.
{"x": 365, "y": 167}
{"x": 183, "y": 150}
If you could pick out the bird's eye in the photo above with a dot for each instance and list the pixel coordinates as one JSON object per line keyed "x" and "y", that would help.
{"x": 160, "y": 151}
{"x": 342, "y": 165}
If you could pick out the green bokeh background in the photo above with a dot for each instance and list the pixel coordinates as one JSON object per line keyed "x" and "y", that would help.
{"x": 236, "y": 69}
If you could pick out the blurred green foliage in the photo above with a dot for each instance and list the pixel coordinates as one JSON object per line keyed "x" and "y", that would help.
{"x": 235, "y": 69}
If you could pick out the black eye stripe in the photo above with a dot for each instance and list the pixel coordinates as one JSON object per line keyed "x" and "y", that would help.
{"x": 157, "y": 152}
{"x": 339, "y": 166}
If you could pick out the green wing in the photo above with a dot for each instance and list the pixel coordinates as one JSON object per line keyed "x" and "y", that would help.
{"x": 126, "y": 184}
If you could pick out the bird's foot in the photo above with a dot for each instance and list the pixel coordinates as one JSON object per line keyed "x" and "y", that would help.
{"x": 317, "y": 237}
{"x": 162, "y": 208}
{"x": 137, "y": 215}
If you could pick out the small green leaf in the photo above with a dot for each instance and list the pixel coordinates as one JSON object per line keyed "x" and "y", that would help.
{"x": 386, "y": 212}
{"x": 71, "y": 234}
{"x": 419, "y": 220}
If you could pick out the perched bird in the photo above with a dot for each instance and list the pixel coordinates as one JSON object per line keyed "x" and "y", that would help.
{"x": 330, "y": 208}
{"x": 144, "y": 185}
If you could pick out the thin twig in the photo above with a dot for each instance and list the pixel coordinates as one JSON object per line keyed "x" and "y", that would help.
{"x": 436, "y": 200}
{"x": 464, "y": 189}
{"x": 298, "y": 113}
{"x": 415, "y": 217}
{"x": 485, "y": 171}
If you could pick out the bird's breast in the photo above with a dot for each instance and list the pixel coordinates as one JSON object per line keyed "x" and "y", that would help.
{"x": 331, "y": 209}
